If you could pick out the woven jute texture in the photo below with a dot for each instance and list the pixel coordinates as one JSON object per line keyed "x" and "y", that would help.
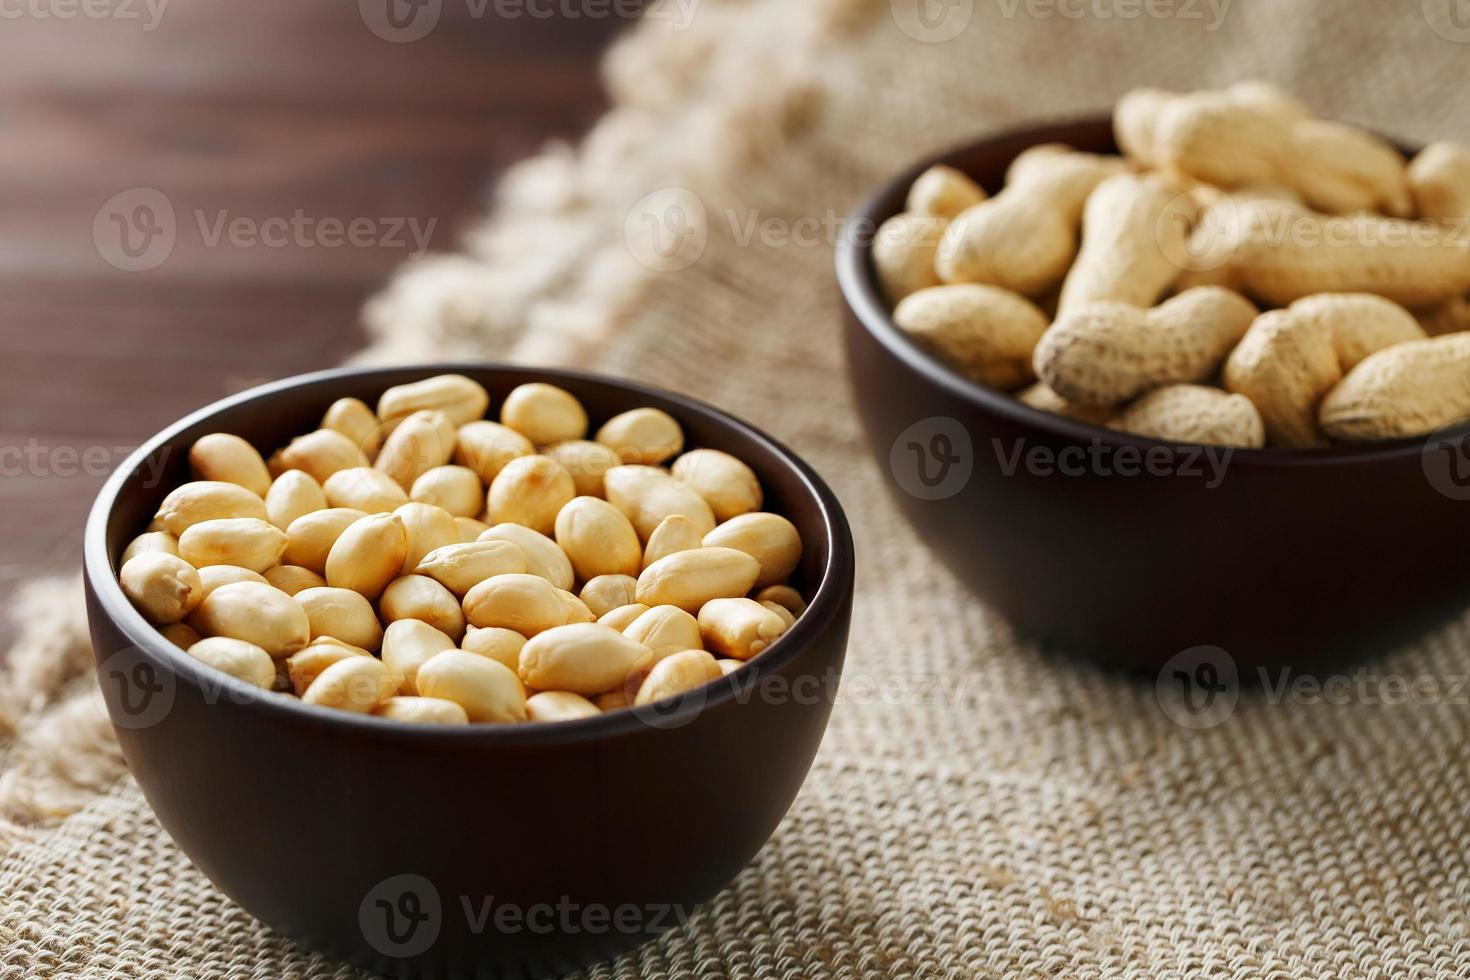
{"x": 978, "y": 809}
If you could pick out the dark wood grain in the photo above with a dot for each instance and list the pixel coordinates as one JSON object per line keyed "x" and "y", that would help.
{"x": 253, "y": 111}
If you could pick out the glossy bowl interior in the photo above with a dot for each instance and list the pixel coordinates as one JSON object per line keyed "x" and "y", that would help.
{"x": 1131, "y": 550}
{"x": 383, "y": 842}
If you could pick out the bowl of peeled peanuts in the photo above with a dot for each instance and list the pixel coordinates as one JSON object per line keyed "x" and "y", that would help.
{"x": 1146, "y": 380}
{"x": 384, "y": 646}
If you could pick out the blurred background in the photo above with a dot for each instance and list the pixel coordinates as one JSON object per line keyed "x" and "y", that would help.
{"x": 304, "y": 157}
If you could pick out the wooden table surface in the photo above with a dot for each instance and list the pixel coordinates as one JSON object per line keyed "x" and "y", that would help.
{"x": 235, "y": 113}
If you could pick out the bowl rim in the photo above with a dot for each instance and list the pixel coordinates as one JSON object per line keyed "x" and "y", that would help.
{"x": 858, "y": 284}
{"x": 824, "y": 606}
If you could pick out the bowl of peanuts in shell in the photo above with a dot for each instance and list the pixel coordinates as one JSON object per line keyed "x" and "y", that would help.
{"x": 473, "y": 631}
{"x": 1187, "y": 377}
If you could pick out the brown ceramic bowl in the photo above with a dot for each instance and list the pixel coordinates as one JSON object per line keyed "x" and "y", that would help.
{"x": 1108, "y": 545}
{"x": 480, "y": 851}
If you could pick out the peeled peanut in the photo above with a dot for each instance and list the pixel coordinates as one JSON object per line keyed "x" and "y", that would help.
{"x": 420, "y": 597}
{"x": 207, "y": 500}
{"x": 259, "y": 614}
{"x": 426, "y": 528}
{"x": 242, "y": 541}
{"x": 584, "y": 658}
{"x": 293, "y": 494}
{"x": 943, "y": 191}
{"x": 543, "y": 556}
{"x": 783, "y": 595}
{"x": 303, "y": 666}
{"x": 292, "y": 579}
{"x": 227, "y": 458}
{"x": 309, "y": 538}
{"x": 676, "y": 674}
{"x": 544, "y": 413}
{"x": 363, "y": 488}
{"x": 559, "y": 706}
{"x": 689, "y": 579}
{"x": 352, "y": 418}
{"x": 530, "y": 491}
{"x": 356, "y": 684}
{"x": 604, "y": 593}
{"x": 527, "y": 604}
{"x": 496, "y": 643}
{"x": 586, "y": 461}
{"x": 157, "y": 541}
{"x": 674, "y": 533}
{"x": 368, "y": 555}
{"x": 728, "y": 485}
{"x": 470, "y": 529}
{"x": 409, "y": 644}
{"x": 647, "y": 495}
{"x": 787, "y": 616}
{"x": 461, "y": 399}
{"x": 422, "y": 711}
{"x": 181, "y": 635}
{"x": 488, "y": 691}
{"x": 575, "y": 609}
{"x": 770, "y": 539}
{"x": 212, "y": 577}
{"x": 461, "y": 567}
{"x": 598, "y": 538}
{"x": 665, "y": 630}
{"x": 623, "y": 616}
{"x": 904, "y": 251}
{"x": 165, "y": 588}
{"x": 728, "y": 666}
{"x": 455, "y": 488}
{"x": 486, "y": 447}
{"x": 416, "y": 445}
{"x": 613, "y": 700}
{"x": 239, "y": 659}
{"x": 343, "y": 614}
{"x": 642, "y": 435}
{"x": 320, "y": 454}
{"x": 739, "y": 628}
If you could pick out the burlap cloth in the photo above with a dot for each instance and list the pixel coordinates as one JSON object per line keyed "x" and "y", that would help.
{"x": 977, "y": 810}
